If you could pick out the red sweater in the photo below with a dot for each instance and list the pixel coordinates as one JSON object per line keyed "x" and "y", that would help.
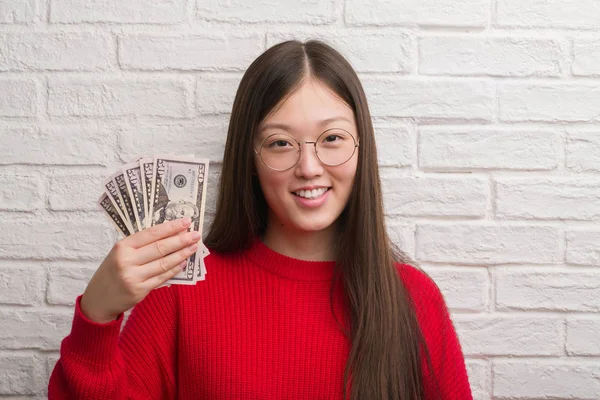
{"x": 259, "y": 327}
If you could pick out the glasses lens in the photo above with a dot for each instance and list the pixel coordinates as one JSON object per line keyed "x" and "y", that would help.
{"x": 280, "y": 151}
{"x": 335, "y": 147}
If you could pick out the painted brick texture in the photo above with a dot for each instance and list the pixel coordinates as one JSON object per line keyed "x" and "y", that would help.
{"x": 487, "y": 121}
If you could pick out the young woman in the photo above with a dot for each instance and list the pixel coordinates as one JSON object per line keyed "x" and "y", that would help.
{"x": 305, "y": 296}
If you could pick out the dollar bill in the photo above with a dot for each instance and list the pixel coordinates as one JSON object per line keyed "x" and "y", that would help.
{"x": 146, "y": 171}
{"x": 133, "y": 181}
{"x": 202, "y": 180}
{"x": 108, "y": 207}
{"x": 153, "y": 190}
{"x": 129, "y": 211}
{"x": 110, "y": 188}
{"x": 179, "y": 190}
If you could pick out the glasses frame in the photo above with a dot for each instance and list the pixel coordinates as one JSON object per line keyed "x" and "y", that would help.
{"x": 300, "y": 143}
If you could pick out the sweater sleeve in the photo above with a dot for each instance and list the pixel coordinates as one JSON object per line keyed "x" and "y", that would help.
{"x": 448, "y": 379}
{"x": 97, "y": 361}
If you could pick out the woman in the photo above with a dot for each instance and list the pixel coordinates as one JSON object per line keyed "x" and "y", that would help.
{"x": 305, "y": 297}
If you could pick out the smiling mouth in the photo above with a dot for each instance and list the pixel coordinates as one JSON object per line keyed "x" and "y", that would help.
{"x": 312, "y": 194}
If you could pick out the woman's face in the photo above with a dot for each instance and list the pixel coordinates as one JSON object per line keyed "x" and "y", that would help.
{"x": 303, "y": 114}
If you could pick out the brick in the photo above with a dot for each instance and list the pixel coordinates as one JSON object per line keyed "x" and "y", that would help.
{"x": 205, "y": 139}
{"x": 401, "y": 234}
{"x": 548, "y": 13}
{"x": 488, "y": 244}
{"x": 37, "y": 329}
{"x": 21, "y": 283}
{"x": 451, "y": 148}
{"x": 426, "y": 196}
{"x": 45, "y": 240}
{"x": 208, "y": 218}
{"x": 479, "y": 375}
{"x": 20, "y": 374}
{"x": 548, "y": 290}
{"x": 131, "y": 11}
{"x": 73, "y": 192}
{"x": 20, "y": 192}
{"x": 17, "y": 11}
{"x": 582, "y": 336}
{"x": 215, "y": 94}
{"x": 489, "y": 335}
{"x": 586, "y": 57}
{"x": 582, "y": 149}
{"x": 395, "y": 146}
{"x": 314, "y": 13}
{"x": 214, "y": 176}
{"x": 17, "y": 98}
{"x": 379, "y": 51}
{"x": 66, "y": 283}
{"x": 546, "y": 379}
{"x": 73, "y": 144}
{"x": 118, "y": 97}
{"x": 467, "y": 13}
{"x": 560, "y": 102}
{"x": 582, "y": 247}
{"x": 53, "y": 52}
{"x": 548, "y": 198}
{"x": 222, "y": 52}
{"x": 51, "y": 360}
{"x": 489, "y": 56}
{"x": 430, "y": 99}
{"x": 465, "y": 289}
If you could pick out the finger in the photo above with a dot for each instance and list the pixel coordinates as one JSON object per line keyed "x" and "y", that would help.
{"x": 164, "y": 247}
{"x": 157, "y": 232}
{"x": 158, "y": 280}
{"x": 165, "y": 264}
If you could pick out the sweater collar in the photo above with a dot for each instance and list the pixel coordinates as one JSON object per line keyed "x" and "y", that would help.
{"x": 288, "y": 267}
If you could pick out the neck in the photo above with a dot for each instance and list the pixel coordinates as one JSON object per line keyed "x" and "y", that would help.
{"x": 309, "y": 246}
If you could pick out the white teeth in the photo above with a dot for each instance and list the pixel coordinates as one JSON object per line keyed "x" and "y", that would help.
{"x": 311, "y": 194}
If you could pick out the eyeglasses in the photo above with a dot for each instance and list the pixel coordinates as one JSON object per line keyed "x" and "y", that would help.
{"x": 281, "y": 151}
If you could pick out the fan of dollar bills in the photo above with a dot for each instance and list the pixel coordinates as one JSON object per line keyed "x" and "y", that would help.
{"x": 157, "y": 189}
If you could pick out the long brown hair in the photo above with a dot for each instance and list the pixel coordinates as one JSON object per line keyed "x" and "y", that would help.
{"x": 384, "y": 360}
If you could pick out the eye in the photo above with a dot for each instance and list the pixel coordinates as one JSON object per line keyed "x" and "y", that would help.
{"x": 279, "y": 143}
{"x": 332, "y": 138}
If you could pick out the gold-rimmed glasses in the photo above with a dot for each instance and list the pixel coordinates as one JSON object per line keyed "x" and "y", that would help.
{"x": 281, "y": 151}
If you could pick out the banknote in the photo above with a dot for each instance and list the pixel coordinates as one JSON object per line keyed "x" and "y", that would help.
{"x": 179, "y": 190}
{"x": 146, "y": 171}
{"x": 128, "y": 209}
{"x": 107, "y": 205}
{"x": 112, "y": 191}
{"x": 153, "y": 190}
{"x": 133, "y": 181}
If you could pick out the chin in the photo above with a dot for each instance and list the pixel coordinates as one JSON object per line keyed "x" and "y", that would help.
{"x": 313, "y": 227}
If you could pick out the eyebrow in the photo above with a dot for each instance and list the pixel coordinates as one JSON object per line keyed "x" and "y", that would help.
{"x": 286, "y": 127}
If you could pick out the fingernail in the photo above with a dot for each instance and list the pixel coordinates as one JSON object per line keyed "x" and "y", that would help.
{"x": 196, "y": 235}
{"x": 186, "y": 221}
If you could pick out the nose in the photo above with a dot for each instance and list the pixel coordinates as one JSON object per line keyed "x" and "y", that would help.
{"x": 309, "y": 166}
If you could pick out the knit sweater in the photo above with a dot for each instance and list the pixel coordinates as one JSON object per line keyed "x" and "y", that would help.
{"x": 260, "y": 326}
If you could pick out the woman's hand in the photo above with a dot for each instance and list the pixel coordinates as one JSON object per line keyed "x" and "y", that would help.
{"x": 136, "y": 265}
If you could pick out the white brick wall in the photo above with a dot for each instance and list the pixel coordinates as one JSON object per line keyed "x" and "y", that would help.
{"x": 487, "y": 116}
